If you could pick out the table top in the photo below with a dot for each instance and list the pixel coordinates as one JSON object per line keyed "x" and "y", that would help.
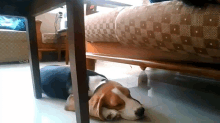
{"x": 37, "y": 7}
{"x": 62, "y": 30}
{"x": 28, "y": 7}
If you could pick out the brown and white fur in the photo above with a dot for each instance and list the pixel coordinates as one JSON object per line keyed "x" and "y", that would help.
{"x": 111, "y": 101}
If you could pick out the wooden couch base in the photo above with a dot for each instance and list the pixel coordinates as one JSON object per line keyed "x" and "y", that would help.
{"x": 184, "y": 68}
{"x": 115, "y": 53}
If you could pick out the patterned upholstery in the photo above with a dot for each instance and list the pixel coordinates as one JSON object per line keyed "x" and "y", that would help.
{"x": 13, "y": 46}
{"x": 49, "y": 38}
{"x": 101, "y": 26}
{"x": 171, "y": 27}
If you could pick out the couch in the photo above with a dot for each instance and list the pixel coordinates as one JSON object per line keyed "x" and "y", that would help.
{"x": 13, "y": 46}
{"x": 167, "y": 35}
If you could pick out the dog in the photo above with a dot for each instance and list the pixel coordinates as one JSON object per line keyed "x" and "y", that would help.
{"x": 109, "y": 100}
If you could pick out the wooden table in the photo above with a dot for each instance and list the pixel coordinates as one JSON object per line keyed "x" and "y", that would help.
{"x": 29, "y": 9}
{"x": 76, "y": 39}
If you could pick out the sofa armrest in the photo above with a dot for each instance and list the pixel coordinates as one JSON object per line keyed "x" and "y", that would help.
{"x": 13, "y": 46}
{"x": 100, "y": 27}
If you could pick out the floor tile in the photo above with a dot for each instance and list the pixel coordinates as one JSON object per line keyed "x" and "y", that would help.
{"x": 168, "y": 97}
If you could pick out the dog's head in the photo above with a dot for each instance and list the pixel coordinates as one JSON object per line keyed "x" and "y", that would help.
{"x": 112, "y": 96}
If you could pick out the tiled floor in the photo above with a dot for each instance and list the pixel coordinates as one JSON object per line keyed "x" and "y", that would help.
{"x": 169, "y": 97}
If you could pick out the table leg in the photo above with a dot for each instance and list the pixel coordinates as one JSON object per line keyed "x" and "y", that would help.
{"x": 33, "y": 55}
{"x": 40, "y": 55}
{"x": 59, "y": 55}
{"x": 76, "y": 39}
{"x": 59, "y": 46}
{"x": 67, "y": 51}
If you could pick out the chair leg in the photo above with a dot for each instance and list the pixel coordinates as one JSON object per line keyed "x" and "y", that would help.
{"x": 59, "y": 55}
{"x": 33, "y": 56}
{"x": 90, "y": 64}
{"x": 67, "y": 52}
{"x": 40, "y": 55}
{"x": 67, "y": 59}
{"x": 59, "y": 47}
{"x": 76, "y": 41}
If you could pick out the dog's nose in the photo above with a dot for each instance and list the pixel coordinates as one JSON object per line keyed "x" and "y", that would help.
{"x": 140, "y": 112}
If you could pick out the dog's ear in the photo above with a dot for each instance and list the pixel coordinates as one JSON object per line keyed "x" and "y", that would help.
{"x": 95, "y": 106}
{"x": 70, "y": 104}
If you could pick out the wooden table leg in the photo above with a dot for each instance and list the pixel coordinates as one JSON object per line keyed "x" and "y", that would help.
{"x": 33, "y": 56}
{"x": 76, "y": 39}
{"x": 67, "y": 51}
{"x": 59, "y": 46}
{"x": 39, "y": 55}
{"x": 59, "y": 55}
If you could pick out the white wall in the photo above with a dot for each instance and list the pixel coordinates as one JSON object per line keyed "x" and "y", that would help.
{"x": 48, "y": 20}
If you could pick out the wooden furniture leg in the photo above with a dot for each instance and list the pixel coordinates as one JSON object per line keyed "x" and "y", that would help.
{"x": 143, "y": 68}
{"x": 59, "y": 44}
{"x": 59, "y": 55}
{"x": 67, "y": 51}
{"x": 33, "y": 56}
{"x": 76, "y": 39}
{"x": 90, "y": 64}
{"x": 40, "y": 55}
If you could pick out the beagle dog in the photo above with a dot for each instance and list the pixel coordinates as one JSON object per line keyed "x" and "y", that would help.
{"x": 109, "y": 100}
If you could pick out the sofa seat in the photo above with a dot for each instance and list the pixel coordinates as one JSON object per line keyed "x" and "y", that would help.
{"x": 168, "y": 27}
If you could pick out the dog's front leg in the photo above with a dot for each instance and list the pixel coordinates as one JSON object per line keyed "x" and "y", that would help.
{"x": 110, "y": 114}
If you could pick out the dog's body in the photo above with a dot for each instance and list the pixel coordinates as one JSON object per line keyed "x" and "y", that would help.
{"x": 108, "y": 99}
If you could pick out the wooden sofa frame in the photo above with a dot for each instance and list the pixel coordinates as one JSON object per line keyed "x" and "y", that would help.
{"x": 115, "y": 52}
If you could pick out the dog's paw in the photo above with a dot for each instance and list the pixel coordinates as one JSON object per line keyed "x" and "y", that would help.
{"x": 110, "y": 114}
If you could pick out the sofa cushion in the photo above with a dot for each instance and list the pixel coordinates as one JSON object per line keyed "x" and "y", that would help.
{"x": 171, "y": 27}
{"x": 100, "y": 27}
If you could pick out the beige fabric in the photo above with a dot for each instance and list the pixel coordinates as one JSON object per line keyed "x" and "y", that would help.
{"x": 172, "y": 27}
{"x": 13, "y": 46}
{"x": 100, "y": 27}
{"x": 49, "y": 38}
